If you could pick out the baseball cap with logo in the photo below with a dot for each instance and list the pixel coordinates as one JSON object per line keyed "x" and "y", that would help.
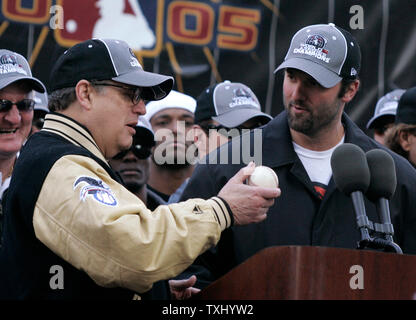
{"x": 14, "y": 67}
{"x": 229, "y": 103}
{"x": 326, "y": 52}
{"x": 385, "y": 111}
{"x": 105, "y": 59}
{"x": 406, "y": 109}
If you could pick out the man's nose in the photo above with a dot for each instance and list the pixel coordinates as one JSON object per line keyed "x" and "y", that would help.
{"x": 13, "y": 115}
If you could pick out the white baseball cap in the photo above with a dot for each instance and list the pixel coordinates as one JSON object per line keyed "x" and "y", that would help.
{"x": 174, "y": 99}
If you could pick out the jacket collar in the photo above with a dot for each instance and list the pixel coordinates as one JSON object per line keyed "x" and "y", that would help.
{"x": 278, "y": 150}
{"x": 72, "y": 131}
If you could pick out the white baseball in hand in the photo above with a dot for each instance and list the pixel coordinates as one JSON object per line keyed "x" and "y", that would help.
{"x": 263, "y": 177}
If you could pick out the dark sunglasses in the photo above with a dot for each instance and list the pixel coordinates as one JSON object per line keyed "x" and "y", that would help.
{"x": 24, "y": 105}
{"x": 133, "y": 93}
{"x": 210, "y": 126}
{"x": 138, "y": 150}
{"x": 227, "y": 131}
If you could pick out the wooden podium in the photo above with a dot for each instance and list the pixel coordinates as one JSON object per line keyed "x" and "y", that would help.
{"x": 297, "y": 272}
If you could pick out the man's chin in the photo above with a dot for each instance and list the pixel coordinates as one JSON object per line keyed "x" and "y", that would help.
{"x": 134, "y": 186}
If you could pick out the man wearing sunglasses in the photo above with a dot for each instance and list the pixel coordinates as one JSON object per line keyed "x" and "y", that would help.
{"x": 72, "y": 230}
{"x": 133, "y": 165}
{"x": 16, "y": 111}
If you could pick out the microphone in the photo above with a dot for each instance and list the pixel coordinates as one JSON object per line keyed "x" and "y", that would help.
{"x": 352, "y": 177}
{"x": 382, "y": 186}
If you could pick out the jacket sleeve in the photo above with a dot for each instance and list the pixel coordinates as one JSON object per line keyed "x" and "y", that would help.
{"x": 206, "y": 181}
{"x": 98, "y": 226}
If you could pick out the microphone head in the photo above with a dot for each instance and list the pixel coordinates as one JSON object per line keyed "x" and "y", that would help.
{"x": 350, "y": 169}
{"x": 383, "y": 174}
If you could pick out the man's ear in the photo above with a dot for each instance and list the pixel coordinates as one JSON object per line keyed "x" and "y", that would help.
{"x": 198, "y": 133}
{"x": 83, "y": 91}
{"x": 351, "y": 91}
{"x": 404, "y": 140}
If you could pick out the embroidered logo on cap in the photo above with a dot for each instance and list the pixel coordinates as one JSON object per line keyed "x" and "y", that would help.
{"x": 97, "y": 189}
{"x": 134, "y": 62}
{"x": 316, "y": 40}
{"x": 242, "y": 97}
{"x": 314, "y": 46}
{"x": 8, "y": 63}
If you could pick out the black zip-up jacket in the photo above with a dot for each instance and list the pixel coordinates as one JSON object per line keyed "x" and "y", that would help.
{"x": 298, "y": 217}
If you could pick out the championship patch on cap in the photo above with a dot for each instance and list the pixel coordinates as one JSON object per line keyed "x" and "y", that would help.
{"x": 14, "y": 67}
{"x": 324, "y": 51}
{"x": 96, "y": 189}
{"x": 242, "y": 97}
{"x": 314, "y": 46}
{"x": 9, "y": 63}
{"x": 229, "y": 103}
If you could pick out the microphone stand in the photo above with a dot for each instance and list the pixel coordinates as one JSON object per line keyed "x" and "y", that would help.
{"x": 365, "y": 225}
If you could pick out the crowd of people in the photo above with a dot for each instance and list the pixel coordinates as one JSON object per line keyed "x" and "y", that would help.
{"x": 121, "y": 181}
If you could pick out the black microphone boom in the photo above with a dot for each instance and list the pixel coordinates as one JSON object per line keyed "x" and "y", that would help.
{"x": 382, "y": 186}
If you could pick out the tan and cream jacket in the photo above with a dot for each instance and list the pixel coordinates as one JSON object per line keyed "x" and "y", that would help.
{"x": 86, "y": 217}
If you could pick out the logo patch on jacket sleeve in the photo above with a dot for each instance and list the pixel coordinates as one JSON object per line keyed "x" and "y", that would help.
{"x": 97, "y": 189}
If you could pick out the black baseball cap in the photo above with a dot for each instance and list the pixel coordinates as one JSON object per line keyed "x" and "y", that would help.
{"x": 144, "y": 133}
{"x": 326, "y": 52}
{"x": 229, "y": 103}
{"x": 406, "y": 109}
{"x": 107, "y": 59}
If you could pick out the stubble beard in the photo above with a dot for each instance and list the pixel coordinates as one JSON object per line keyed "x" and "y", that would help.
{"x": 309, "y": 123}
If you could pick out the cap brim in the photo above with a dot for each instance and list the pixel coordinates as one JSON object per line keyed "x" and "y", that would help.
{"x": 240, "y": 115}
{"x": 373, "y": 121}
{"x": 36, "y": 84}
{"x": 144, "y": 136}
{"x": 323, "y": 76}
{"x": 41, "y": 108}
{"x": 155, "y": 86}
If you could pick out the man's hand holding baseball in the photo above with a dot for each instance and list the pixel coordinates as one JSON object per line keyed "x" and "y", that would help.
{"x": 248, "y": 203}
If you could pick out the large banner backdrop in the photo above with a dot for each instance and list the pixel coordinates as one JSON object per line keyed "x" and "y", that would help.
{"x": 201, "y": 42}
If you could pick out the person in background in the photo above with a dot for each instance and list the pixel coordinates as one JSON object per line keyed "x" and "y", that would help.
{"x": 40, "y": 111}
{"x": 401, "y": 137}
{"x": 384, "y": 114}
{"x": 171, "y": 119}
{"x": 219, "y": 109}
{"x": 133, "y": 165}
{"x": 16, "y": 112}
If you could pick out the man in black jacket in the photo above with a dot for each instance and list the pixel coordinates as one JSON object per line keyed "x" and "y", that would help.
{"x": 320, "y": 77}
